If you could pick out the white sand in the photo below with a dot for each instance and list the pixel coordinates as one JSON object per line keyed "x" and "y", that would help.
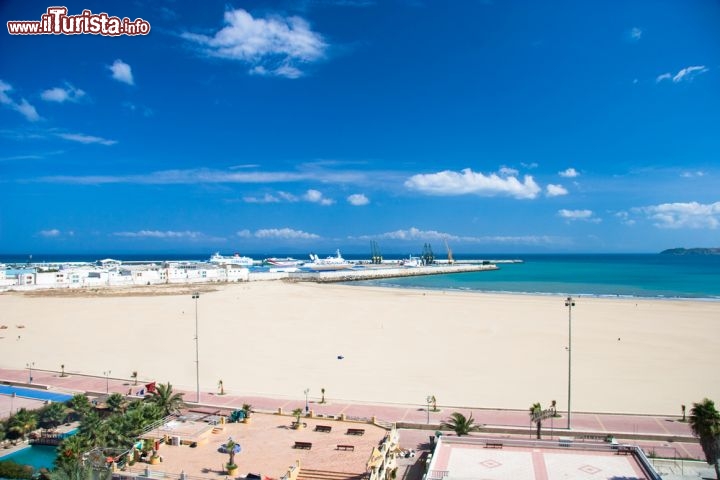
{"x": 467, "y": 349}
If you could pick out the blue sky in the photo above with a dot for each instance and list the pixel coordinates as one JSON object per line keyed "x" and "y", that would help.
{"x": 297, "y": 126}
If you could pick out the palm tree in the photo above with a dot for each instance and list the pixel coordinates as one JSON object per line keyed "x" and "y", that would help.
{"x": 164, "y": 398}
{"x": 53, "y": 415}
{"x": 705, "y": 424}
{"x": 461, "y": 425}
{"x": 70, "y": 452}
{"x": 80, "y": 404}
{"x": 22, "y": 423}
{"x": 116, "y": 403}
{"x": 536, "y": 416}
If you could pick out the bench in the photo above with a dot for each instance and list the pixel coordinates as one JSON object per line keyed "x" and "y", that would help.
{"x": 493, "y": 445}
{"x": 323, "y": 428}
{"x": 303, "y": 445}
{"x": 355, "y": 431}
{"x": 346, "y": 447}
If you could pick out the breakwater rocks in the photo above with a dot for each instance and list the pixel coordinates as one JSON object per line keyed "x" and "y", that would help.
{"x": 377, "y": 272}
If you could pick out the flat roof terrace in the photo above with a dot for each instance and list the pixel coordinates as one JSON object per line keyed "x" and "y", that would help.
{"x": 268, "y": 448}
{"x": 498, "y": 458}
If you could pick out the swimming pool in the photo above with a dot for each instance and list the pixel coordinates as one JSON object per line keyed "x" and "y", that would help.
{"x": 37, "y": 456}
{"x": 34, "y": 393}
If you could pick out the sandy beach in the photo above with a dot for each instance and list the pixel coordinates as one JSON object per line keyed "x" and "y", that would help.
{"x": 399, "y": 346}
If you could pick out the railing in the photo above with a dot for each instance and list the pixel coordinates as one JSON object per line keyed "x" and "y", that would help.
{"x": 436, "y": 474}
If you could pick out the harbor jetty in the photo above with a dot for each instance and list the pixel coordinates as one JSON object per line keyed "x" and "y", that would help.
{"x": 372, "y": 272}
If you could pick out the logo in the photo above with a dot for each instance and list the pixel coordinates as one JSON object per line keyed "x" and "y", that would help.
{"x": 56, "y": 21}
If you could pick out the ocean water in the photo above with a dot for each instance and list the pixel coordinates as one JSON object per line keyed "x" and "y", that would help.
{"x": 651, "y": 275}
{"x": 625, "y": 275}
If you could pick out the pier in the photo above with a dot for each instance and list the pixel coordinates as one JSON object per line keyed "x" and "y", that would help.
{"x": 374, "y": 273}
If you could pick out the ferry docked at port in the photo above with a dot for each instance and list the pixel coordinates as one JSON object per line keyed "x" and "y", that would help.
{"x": 235, "y": 259}
{"x": 328, "y": 264}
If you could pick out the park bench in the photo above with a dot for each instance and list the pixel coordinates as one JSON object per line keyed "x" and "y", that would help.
{"x": 493, "y": 445}
{"x": 346, "y": 447}
{"x": 355, "y": 431}
{"x": 323, "y": 428}
{"x": 303, "y": 445}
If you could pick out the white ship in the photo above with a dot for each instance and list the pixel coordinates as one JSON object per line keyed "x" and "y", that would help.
{"x": 411, "y": 262}
{"x": 328, "y": 264}
{"x": 235, "y": 259}
{"x": 287, "y": 262}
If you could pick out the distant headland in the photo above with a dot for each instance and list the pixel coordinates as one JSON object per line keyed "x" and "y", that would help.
{"x": 691, "y": 251}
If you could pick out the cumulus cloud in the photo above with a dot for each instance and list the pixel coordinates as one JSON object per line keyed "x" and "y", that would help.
{"x": 274, "y": 45}
{"x": 555, "y": 190}
{"x": 167, "y": 234}
{"x": 267, "y": 198}
{"x": 466, "y": 181}
{"x": 316, "y": 196}
{"x": 683, "y": 215}
{"x": 569, "y": 173}
{"x": 23, "y": 106}
{"x": 282, "y": 233}
{"x": 686, "y": 74}
{"x": 285, "y": 233}
{"x": 61, "y": 95}
{"x": 625, "y": 218}
{"x": 122, "y": 72}
{"x": 508, "y": 172}
{"x": 86, "y": 139}
{"x": 636, "y": 33}
{"x": 53, "y": 232}
{"x": 358, "y": 199}
{"x": 584, "y": 215}
{"x": 692, "y": 174}
{"x": 414, "y": 234}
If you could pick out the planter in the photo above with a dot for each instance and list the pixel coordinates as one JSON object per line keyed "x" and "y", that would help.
{"x": 232, "y": 471}
{"x": 154, "y": 460}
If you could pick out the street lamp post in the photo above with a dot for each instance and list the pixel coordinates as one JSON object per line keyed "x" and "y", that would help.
{"x": 30, "y": 366}
{"x": 307, "y": 408}
{"x": 429, "y": 400}
{"x": 569, "y": 303}
{"x": 107, "y": 380}
{"x": 195, "y": 296}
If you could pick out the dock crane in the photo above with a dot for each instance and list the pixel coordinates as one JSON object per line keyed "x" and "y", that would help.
{"x": 451, "y": 260}
{"x": 375, "y": 255}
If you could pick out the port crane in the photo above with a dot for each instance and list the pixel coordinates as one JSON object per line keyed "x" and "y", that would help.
{"x": 451, "y": 260}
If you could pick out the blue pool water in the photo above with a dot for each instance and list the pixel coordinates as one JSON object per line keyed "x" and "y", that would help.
{"x": 34, "y": 393}
{"x": 37, "y": 456}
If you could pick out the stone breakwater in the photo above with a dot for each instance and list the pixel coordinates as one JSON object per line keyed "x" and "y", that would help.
{"x": 373, "y": 273}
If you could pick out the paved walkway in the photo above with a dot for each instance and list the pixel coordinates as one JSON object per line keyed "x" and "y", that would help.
{"x": 667, "y": 436}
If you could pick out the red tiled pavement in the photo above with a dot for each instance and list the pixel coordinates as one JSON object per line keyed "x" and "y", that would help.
{"x": 600, "y": 423}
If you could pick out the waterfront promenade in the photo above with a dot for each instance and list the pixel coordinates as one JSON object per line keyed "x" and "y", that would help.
{"x": 662, "y": 436}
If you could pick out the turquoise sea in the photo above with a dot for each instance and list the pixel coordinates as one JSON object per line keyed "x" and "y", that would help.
{"x": 631, "y": 275}
{"x": 627, "y": 275}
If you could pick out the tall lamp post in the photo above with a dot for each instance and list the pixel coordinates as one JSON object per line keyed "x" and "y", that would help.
{"x": 107, "y": 380}
{"x": 429, "y": 400}
{"x": 195, "y": 296}
{"x": 30, "y": 366}
{"x": 307, "y": 408}
{"x": 569, "y": 302}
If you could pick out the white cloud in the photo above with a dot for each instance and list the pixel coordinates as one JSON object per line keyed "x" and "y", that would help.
{"x": 244, "y": 233}
{"x": 60, "y": 95}
{"x": 23, "y": 107}
{"x": 683, "y": 215}
{"x": 358, "y": 199}
{"x": 168, "y": 234}
{"x": 288, "y": 197}
{"x": 53, "y": 232}
{"x": 686, "y": 74}
{"x": 569, "y": 173}
{"x": 692, "y": 174}
{"x": 636, "y": 33}
{"x": 625, "y": 218}
{"x": 449, "y": 182}
{"x": 572, "y": 215}
{"x": 274, "y": 45}
{"x": 555, "y": 190}
{"x": 122, "y": 72}
{"x": 285, "y": 233}
{"x": 267, "y": 198}
{"x": 508, "y": 172}
{"x": 316, "y": 196}
{"x": 415, "y": 234}
{"x": 86, "y": 139}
